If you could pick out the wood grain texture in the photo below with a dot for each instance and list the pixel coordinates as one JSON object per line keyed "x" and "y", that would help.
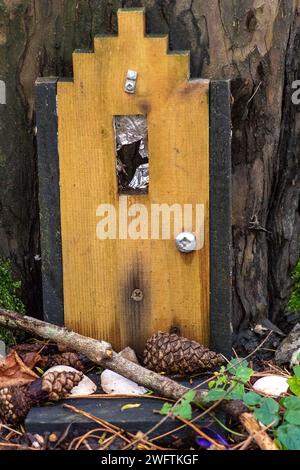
{"x": 100, "y": 275}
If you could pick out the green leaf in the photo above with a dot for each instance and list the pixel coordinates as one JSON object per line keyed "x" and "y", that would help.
{"x": 189, "y": 396}
{"x": 237, "y": 393}
{"x": 244, "y": 374}
{"x": 268, "y": 412}
{"x": 129, "y": 407}
{"x": 166, "y": 409}
{"x": 289, "y": 436}
{"x": 294, "y": 385}
{"x": 252, "y": 399}
{"x": 296, "y": 370}
{"x": 292, "y": 403}
{"x": 214, "y": 395}
{"x": 292, "y": 417}
{"x": 236, "y": 363}
{"x": 292, "y": 414}
{"x": 222, "y": 381}
{"x": 183, "y": 410}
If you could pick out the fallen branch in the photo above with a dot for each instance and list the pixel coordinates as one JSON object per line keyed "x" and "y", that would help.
{"x": 257, "y": 433}
{"x": 99, "y": 352}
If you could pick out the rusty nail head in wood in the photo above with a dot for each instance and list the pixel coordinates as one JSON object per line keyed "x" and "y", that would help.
{"x": 137, "y": 295}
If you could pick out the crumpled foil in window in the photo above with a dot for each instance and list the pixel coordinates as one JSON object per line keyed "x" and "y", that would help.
{"x": 130, "y": 129}
{"x": 131, "y": 133}
{"x": 141, "y": 177}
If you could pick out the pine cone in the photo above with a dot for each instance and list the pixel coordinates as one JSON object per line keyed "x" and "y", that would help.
{"x": 14, "y": 405}
{"x": 173, "y": 354}
{"x": 69, "y": 359}
{"x": 59, "y": 384}
{"x": 15, "y": 402}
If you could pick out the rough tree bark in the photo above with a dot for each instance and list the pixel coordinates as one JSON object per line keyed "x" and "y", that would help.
{"x": 253, "y": 42}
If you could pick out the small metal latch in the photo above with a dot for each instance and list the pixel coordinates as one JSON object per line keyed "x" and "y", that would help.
{"x": 130, "y": 85}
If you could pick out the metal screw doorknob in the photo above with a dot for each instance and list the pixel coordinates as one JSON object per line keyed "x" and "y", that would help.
{"x": 186, "y": 242}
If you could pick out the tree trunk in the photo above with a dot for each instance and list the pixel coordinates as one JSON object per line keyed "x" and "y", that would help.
{"x": 253, "y": 42}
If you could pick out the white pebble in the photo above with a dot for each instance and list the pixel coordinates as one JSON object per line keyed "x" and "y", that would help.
{"x": 115, "y": 384}
{"x": 273, "y": 385}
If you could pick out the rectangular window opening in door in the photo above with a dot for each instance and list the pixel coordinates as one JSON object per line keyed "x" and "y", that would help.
{"x": 132, "y": 154}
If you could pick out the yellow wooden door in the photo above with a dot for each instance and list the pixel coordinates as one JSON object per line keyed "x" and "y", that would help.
{"x": 102, "y": 276}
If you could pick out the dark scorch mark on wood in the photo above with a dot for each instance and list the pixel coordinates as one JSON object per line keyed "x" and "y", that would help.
{"x": 135, "y": 304}
{"x": 145, "y": 107}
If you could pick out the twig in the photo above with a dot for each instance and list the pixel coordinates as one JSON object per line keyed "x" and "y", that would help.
{"x": 87, "y": 445}
{"x": 108, "y": 426}
{"x": 243, "y": 445}
{"x": 201, "y": 433}
{"x": 142, "y": 440}
{"x": 85, "y": 436}
{"x": 17, "y": 446}
{"x": 114, "y": 397}
{"x": 279, "y": 370}
{"x": 255, "y": 350}
{"x": 109, "y": 441}
{"x": 259, "y": 435}
{"x": 63, "y": 436}
{"x": 254, "y": 94}
{"x": 4, "y": 426}
{"x": 23, "y": 366}
{"x": 222, "y": 425}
